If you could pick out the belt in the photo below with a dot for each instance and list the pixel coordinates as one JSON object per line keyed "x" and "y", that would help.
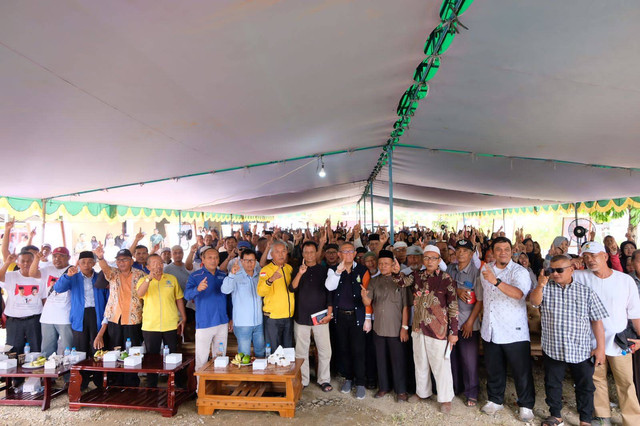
{"x": 25, "y": 318}
{"x": 347, "y": 312}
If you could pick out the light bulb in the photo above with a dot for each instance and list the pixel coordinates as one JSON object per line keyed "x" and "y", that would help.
{"x": 322, "y": 173}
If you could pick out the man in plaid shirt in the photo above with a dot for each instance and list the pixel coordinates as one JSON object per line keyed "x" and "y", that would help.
{"x": 569, "y": 311}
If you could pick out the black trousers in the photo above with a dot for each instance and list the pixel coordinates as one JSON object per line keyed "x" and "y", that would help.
{"x": 351, "y": 342}
{"x": 118, "y": 335}
{"x": 390, "y": 349}
{"x": 518, "y": 356}
{"x": 154, "y": 341}
{"x": 636, "y": 372}
{"x": 278, "y": 332}
{"x": 24, "y": 330}
{"x": 582, "y": 373}
{"x": 83, "y": 342}
{"x": 370, "y": 365}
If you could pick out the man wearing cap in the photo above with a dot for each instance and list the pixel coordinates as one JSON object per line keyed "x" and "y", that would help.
{"x": 505, "y": 329}
{"x": 213, "y": 308}
{"x": 234, "y": 256}
{"x": 54, "y": 320}
{"x": 87, "y": 304}
{"x": 400, "y": 253}
{"x": 391, "y": 307}
{"x": 464, "y": 357}
{"x": 165, "y": 255}
{"x": 414, "y": 260}
{"x": 352, "y": 318}
{"x": 123, "y": 312}
{"x": 23, "y": 309}
{"x": 279, "y": 301}
{"x": 619, "y": 295}
{"x": 435, "y": 326}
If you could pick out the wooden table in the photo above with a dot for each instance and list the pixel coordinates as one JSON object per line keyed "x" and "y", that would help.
{"x": 242, "y": 388}
{"x": 43, "y": 398}
{"x": 165, "y": 400}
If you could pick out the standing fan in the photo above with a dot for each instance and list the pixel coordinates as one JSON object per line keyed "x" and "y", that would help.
{"x": 578, "y": 231}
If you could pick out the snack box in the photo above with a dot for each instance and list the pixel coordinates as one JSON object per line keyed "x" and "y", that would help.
{"x": 136, "y": 350}
{"x": 111, "y": 356}
{"x": 221, "y": 362}
{"x": 8, "y": 363}
{"x": 51, "y": 364}
{"x": 32, "y": 385}
{"x": 259, "y": 363}
{"x": 290, "y": 354}
{"x": 3, "y": 357}
{"x": 133, "y": 361}
{"x": 173, "y": 359}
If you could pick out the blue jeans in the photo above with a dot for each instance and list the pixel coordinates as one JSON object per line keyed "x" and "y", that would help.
{"x": 246, "y": 334}
{"x": 50, "y": 335}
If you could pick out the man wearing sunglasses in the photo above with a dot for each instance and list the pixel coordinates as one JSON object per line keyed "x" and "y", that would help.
{"x": 619, "y": 295}
{"x": 569, "y": 312}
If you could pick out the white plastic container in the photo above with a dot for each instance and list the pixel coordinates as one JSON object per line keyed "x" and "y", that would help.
{"x": 259, "y": 364}
{"x": 111, "y": 356}
{"x": 77, "y": 357}
{"x": 173, "y": 359}
{"x": 8, "y": 363}
{"x": 136, "y": 350}
{"x": 220, "y": 361}
{"x": 31, "y": 356}
{"x": 133, "y": 361}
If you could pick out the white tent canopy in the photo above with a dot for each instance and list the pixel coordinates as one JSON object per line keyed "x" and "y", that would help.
{"x": 97, "y": 95}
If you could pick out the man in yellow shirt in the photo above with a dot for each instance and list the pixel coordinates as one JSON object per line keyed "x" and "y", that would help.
{"x": 278, "y": 305}
{"x": 163, "y": 299}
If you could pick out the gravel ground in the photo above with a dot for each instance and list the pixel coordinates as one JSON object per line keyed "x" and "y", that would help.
{"x": 315, "y": 408}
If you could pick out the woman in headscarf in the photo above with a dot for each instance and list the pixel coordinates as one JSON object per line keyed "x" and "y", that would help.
{"x": 626, "y": 250}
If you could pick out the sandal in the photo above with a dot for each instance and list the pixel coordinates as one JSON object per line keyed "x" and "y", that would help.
{"x": 552, "y": 421}
{"x": 326, "y": 387}
{"x": 471, "y": 402}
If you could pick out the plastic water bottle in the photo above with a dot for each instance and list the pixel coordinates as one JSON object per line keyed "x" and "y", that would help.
{"x": 67, "y": 351}
{"x": 220, "y": 349}
{"x": 73, "y": 351}
{"x": 165, "y": 352}
{"x": 27, "y": 348}
{"x": 267, "y": 350}
{"x": 127, "y": 345}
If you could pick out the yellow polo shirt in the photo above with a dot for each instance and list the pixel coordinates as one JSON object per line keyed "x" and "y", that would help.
{"x": 160, "y": 312}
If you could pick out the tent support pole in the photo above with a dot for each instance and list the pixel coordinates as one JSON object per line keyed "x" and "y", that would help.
{"x": 364, "y": 211}
{"x": 391, "y": 239}
{"x": 504, "y": 223}
{"x": 371, "y": 196}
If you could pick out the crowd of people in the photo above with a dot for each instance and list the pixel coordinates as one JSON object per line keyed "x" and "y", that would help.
{"x": 395, "y": 317}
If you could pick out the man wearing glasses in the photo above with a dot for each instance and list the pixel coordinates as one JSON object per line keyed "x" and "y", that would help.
{"x": 242, "y": 285}
{"x": 352, "y": 319}
{"x": 569, "y": 312}
{"x": 619, "y": 295}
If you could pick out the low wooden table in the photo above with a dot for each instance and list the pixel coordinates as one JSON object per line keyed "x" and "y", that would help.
{"x": 43, "y": 398}
{"x": 242, "y": 388}
{"x": 165, "y": 400}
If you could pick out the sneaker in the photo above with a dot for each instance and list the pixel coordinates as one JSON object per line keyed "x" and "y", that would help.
{"x": 346, "y": 386}
{"x": 526, "y": 414}
{"x": 491, "y": 408}
{"x": 360, "y": 392}
{"x": 601, "y": 421}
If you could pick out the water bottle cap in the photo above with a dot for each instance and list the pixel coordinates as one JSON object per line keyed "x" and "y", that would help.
{"x": 73, "y": 348}
{"x": 26, "y": 344}
{"x": 128, "y": 339}
{"x": 269, "y": 344}
{"x": 67, "y": 347}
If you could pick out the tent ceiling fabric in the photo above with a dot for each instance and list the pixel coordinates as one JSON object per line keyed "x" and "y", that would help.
{"x": 158, "y": 89}
{"x": 99, "y": 94}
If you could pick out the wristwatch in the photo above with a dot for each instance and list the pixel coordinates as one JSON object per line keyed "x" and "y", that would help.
{"x": 498, "y": 282}
{"x": 406, "y": 327}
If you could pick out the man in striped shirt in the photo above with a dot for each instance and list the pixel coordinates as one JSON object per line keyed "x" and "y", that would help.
{"x": 569, "y": 311}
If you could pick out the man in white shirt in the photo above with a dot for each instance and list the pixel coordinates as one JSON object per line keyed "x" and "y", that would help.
{"x": 54, "y": 320}
{"x": 619, "y": 294}
{"x": 505, "y": 330}
{"x": 25, "y": 297}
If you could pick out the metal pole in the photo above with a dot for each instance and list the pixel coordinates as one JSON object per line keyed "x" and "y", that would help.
{"x": 371, "y": 194}
{"x": 390, "y": 155}
{"x": 364, "y": 211}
